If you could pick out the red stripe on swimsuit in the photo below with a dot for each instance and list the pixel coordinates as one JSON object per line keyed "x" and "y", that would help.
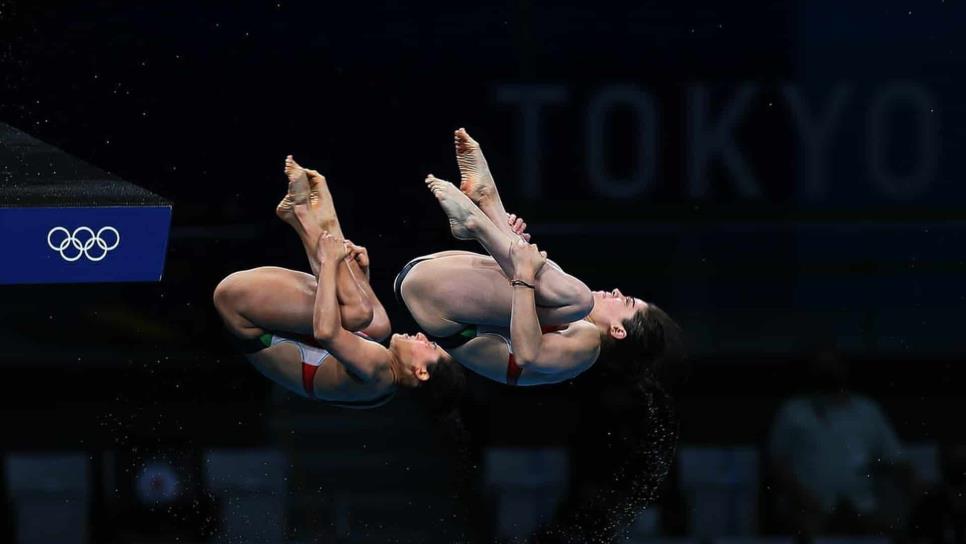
{"x": 308, "y": 379}
{"x": 513, "y": 370}
{"x": 308, "y": 371}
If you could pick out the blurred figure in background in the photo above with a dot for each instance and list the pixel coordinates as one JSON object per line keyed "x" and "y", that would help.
{"x": 830, "y": 453}
{"x": 941, "y": 514}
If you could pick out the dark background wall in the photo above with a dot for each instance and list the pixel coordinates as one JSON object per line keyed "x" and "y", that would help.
{"x": 775, "y": 174}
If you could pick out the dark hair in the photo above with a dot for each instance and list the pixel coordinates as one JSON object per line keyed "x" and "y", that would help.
{"x": 653, "y": 350}
{"x": 442, "y": 392}
{"x": 437, "y": 404}
{"x": 627, "y": 445}
{"x": 441, "y": 397}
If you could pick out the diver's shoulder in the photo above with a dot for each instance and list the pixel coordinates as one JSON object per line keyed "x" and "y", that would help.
{"x": 582, "y": 327}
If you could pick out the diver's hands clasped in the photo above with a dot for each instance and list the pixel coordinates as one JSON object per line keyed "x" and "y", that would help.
{"x": 360, "y": 255}
{"x": 331, "y": 249}
{"x": 518, "y": 226}
{"x": 527, "y": 260}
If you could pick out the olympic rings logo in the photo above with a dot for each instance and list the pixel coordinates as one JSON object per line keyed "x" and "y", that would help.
{"x": 83, "y": 242}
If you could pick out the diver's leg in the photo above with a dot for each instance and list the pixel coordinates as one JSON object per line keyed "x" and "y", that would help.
{"x": 328, "y": 219}
{"x": 294, "y": 204}
{"x": 253, "y": 302}
{"x": 379, "y": 327}
{"x": 264, "y": 300}
{"x": 477, "y": 182}
{"x": 445, "y": 293}
{"x": 554, "y": 288}
{"x": 304, "y": 207}
{"x": 353, "y": 282}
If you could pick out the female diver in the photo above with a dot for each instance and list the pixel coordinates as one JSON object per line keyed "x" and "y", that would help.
{"x": 317, "y": 335}
{"x": 509, "y": 317}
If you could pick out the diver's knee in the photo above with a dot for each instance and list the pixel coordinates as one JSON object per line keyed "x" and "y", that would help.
{"x": 356, "y": 318}
{"x": 230, "y": 292}
{"x": 580, "y": 302}
{"x": 413, "y": 286}
{"x": 379, "y": 328}
{"x": 584, "y": 302}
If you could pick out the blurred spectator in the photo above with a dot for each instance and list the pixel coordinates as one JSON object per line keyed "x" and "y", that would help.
{"x": 941, "y": 514}
{"x": 830, "y": 453}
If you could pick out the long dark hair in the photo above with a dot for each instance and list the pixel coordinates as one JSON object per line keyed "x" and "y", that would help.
{"x": 628, "y": 431}
{"x": 441, "y": 398}
{"x": 442, "y": 392}
{"x": 653, "y": 350}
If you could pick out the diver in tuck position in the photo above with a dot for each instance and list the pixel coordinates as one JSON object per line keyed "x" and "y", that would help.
{"x": 317, "y": 334}
{"x": 513, "y": 316}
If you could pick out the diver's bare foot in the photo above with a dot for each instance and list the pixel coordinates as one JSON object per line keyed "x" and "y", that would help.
{"x": 303, "y": 219}
{"x": 320, "y": 202}
{"x": 286, "y": 209}
{"x": 463, "y": 215}
{"x": 475, "y": 179}
{"x": 298, "y": 190}
{"x": 298, "y": 181}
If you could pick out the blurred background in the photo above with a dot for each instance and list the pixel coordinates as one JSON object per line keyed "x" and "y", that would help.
{"x": 783, "y": 177}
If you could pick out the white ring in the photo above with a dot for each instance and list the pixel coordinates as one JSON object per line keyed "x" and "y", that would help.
{"x": 117, "y": 238}
{"x": 63, "y": 245}
{"x": 72, "y": 239}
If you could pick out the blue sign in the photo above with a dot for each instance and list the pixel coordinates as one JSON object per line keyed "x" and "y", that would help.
{"x": 91, "y": 244}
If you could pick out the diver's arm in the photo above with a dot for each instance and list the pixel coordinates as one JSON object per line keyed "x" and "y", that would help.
{"x": 550, "y": 353}
{"x": 525, "y": 334}
{"x": 363, "y": 359}
{"x": 379, "y": 326}
{"x": 326, "y": 314}
{"x": 355, "y": 308}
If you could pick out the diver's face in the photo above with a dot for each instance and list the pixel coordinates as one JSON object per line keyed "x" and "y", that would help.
{"x": 417, "y": 353}
{"x": 612, "y": 308}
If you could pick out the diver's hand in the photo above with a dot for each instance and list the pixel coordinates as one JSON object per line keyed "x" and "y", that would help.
{"x": 527, "y": 260}
{"x": 330, "y": 248}
{"x": 518, "y": 226}
{"x": 360, "y": 255}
